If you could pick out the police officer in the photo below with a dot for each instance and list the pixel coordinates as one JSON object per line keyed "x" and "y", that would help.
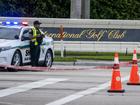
{"x": 36, "y": 38}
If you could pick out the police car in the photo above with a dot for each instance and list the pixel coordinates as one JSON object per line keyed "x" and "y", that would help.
{"x": 14, "y": 50}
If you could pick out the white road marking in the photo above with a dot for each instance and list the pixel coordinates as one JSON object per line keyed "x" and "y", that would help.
{"x": 29, "y": 86}
{"x": 83, "y": 93}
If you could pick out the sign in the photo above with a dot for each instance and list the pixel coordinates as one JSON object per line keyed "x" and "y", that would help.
{"x": 94, "y": 34}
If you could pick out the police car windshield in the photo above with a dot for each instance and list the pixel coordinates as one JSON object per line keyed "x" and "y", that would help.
{"x": 8, "y": 33}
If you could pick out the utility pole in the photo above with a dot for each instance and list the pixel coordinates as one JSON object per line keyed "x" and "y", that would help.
{"x": 80, "y": 9}
{"x": 85, "y": 9}
{"x": 75, "y": 9}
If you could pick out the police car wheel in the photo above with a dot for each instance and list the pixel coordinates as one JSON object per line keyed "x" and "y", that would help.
{"x": 48, "y": 59}
{"x": 17, "y": 60}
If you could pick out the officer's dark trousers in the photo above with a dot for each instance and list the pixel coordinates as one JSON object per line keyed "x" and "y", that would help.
{"x": 35, "y": 54}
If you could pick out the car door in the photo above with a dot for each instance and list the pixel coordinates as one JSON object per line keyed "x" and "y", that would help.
{"x": 42, "y": 49}
{"x": 25, "y": 47}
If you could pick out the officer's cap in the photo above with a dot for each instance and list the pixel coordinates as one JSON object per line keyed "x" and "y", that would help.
{"x": 37, "y": 22}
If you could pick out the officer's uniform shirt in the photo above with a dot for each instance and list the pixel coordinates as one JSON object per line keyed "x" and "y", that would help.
{"x": 38, "y": 32}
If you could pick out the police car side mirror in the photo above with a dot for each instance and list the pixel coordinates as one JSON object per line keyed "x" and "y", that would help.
{"x": 23, "y": 38}
{"x": 16, "y": 37}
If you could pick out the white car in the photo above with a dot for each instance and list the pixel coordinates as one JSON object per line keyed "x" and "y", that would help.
{"x": 15, "y": 51}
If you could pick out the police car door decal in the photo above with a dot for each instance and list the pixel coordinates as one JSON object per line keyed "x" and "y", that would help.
{"x": 26, "y": 47}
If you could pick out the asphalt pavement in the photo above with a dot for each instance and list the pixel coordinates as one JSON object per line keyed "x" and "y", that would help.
{"x": 81, "y": 85}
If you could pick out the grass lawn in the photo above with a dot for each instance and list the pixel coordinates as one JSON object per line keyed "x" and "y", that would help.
{"x": 73, "y": 56}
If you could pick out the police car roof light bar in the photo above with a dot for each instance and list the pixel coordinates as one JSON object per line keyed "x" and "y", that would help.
{"x": 25, "y": 23}
{"x": 15, "y": 23}
{"x": 8, "y": 23}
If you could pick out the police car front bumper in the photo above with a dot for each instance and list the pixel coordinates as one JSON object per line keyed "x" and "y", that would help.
{"x": 3, "y": 60}
{"x": 6, "y": 57}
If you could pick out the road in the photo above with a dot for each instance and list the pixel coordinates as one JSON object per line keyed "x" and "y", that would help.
{"x": 78, "y": 86}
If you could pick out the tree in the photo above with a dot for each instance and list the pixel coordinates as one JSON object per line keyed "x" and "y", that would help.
{"x": 115, "y": 9}
{"x": 35, "y": 8}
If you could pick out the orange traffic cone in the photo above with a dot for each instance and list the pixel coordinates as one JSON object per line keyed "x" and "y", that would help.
{"x": 134, "y": 75}
{"x": 116, "y": 85}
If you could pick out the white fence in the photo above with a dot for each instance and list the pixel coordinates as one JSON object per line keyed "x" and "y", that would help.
{"x": 98, "y": 46}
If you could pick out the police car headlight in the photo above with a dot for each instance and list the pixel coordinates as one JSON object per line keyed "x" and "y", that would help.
{"x": 5, "y": 48}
